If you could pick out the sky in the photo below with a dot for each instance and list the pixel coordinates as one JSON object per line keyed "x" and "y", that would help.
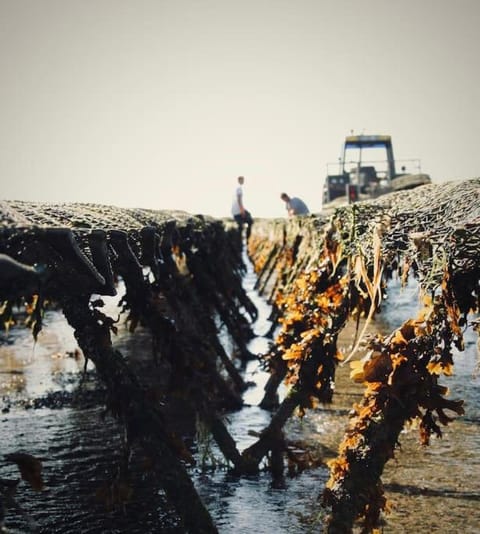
{"x": 162, "y": 104}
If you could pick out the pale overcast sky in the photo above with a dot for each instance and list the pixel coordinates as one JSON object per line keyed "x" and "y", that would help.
{"x": 162, "y": 104}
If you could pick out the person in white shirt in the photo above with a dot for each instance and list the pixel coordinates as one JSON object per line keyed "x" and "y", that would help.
{"x": 239, "y": 213}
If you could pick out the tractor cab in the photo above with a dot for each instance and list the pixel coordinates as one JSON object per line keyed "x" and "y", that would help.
{"x": 366, "y": 169}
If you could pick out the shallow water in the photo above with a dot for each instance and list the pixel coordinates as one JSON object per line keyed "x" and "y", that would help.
{"x": 433, "y": 489}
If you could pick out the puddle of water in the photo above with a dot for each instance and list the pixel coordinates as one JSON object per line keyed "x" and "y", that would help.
{"x": 251, "y": 505}
{"x": 29, "y": 368}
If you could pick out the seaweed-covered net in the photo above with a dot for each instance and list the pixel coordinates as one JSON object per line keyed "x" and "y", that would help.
{"x": 434, "y": 226}
{"x": 330, "y": 270}
{"x": 81, "y": 215}
{"x": 65, "y": 254}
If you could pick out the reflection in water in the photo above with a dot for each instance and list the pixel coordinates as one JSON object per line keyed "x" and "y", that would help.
{"x": 32, "y": 368}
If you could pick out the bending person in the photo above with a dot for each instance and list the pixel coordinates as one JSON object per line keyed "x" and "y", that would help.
{"x": 294, "y": 205}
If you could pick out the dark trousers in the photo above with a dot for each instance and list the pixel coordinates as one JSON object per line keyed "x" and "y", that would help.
{"x": 246, "y": 219}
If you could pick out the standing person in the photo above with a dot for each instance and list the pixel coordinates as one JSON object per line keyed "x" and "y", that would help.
{"x": 294, "y": 205}
{"x": 239, "y": 213}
